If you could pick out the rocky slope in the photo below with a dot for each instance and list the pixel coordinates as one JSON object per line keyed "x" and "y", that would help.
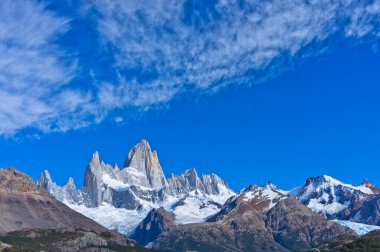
{"x": 369, "y": 242}
{"x": 23, "y": 206}
{"x": 257, "y": 219}
{"x": 121, "y": 198}
{"x": 155, "y": 223}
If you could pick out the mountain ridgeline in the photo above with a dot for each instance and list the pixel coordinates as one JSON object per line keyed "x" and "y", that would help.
{"x": 188, "y": 212}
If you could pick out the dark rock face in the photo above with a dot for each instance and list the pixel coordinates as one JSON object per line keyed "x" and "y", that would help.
{"x": 258, "y": 219}
{"x": 218, "y": 237}
{"x": 156, "y": 222}
{"x": 296, "y": 227}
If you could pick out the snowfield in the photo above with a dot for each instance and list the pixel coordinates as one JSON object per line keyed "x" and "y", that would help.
{"x": 359, "y": 228}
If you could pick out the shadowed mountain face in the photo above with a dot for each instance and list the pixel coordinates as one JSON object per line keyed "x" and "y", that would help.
{"x": 156, "y": 222}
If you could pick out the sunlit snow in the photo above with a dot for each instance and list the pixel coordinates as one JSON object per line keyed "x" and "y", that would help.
{"x": 359, "y": 228}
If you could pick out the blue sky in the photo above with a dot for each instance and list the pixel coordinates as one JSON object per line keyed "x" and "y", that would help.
{"x": 249, "y": 90}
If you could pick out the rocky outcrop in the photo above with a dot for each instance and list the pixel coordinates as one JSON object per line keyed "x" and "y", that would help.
{"x": 92, "y": 185}
{"x": 141, "y": 158}
{"x": 189, "y": 181}
{"x": 14, "y": 181}
{"x": 156, "y": 222}
{"x": 257, "y": 219}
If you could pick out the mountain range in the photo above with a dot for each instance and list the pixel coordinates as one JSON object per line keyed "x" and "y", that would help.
{"x": 202, "y": 213}
{"x": 120, "y": 198}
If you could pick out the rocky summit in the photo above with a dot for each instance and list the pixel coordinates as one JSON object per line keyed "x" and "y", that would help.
{"x": 145, "y": 162}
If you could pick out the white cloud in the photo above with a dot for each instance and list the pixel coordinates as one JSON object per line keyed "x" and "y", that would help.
{"x": 34, "y": 74}
{"x": 118, "y": 119}
{"x": 160, "y": 48}
{"x": 189, "y": 44}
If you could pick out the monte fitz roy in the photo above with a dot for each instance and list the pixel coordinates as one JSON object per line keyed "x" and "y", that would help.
{"x": 187, "y": 211}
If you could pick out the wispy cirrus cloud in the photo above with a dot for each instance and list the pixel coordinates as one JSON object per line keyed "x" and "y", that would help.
{"x": 154, "y": 50}
{"x": 167, "y": 47}
{"x": 33, "y": 72}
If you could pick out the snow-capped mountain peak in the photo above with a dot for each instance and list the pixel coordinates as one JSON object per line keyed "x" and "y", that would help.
{"x": 94, "y": 162}
{"x": 335, "y": 199}
{"x": 70, "y": 183}
{"x": 44, "y": 180}
{"x": 131, "y": 192}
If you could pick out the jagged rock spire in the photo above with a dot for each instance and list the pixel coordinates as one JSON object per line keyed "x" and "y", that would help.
{"x": 95, "y": 162}
{"x": 44, "y": 180}
{"x": 145, "y": 161}
{"x": 70, "y": 183}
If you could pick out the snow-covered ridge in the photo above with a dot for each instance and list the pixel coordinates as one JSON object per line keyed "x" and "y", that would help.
{"x": 334, "y": 182}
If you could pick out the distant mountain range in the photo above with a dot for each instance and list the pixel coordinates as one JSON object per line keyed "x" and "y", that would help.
{"x": 188, "y": 212}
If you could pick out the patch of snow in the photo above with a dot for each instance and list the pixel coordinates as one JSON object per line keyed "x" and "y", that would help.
{"x": 114, "y": 183}
{"x": 195, "y": 209}
{"x": 266, "y": 193}
{"x": 224, "y": 194}
{"x": 292, "y": 192}
{"x": 133, "y": 171}
{"x": 359, "y": 228}
{"x": 120, "y": 219}
{"x": 336, "y": 182}
{"x": 334, "y": 207}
